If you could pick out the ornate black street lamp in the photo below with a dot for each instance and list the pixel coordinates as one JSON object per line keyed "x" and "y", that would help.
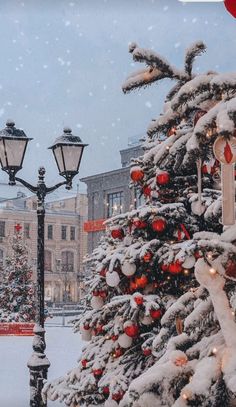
{"x": 68, "y": 151}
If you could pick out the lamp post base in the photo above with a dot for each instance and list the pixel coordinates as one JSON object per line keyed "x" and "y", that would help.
{"x": 38, "y": 365}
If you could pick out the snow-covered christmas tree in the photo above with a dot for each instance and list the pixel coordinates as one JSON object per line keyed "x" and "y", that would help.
{"x": 198, "y": 366}
{"x": 17, "y": 300}
{"x": 146, "y": 262}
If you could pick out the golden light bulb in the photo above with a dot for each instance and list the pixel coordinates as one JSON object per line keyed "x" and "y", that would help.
{"x": 185, "y": 397}
{"x": 214, "y": 350}
{"x": 212, "y": 271}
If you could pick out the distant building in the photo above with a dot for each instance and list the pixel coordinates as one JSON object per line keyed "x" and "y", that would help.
{"x": 109, "y": 194}
{"x": 65, "y": 240}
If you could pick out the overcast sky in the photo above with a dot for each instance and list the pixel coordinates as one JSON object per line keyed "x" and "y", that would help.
{"x": 63, "y": 63}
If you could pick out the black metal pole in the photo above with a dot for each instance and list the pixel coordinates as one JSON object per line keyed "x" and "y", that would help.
{"x": 38, "y": 363}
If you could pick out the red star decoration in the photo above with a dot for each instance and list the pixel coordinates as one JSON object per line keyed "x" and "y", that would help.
{"x": 18, "y": 227}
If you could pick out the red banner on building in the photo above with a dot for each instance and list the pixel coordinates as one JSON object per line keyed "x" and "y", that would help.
{"x": 16, "y": 328}
{"x": 94, "y": 225}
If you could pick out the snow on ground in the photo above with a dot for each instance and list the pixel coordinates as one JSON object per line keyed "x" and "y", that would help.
{"x": 63, "y": 350}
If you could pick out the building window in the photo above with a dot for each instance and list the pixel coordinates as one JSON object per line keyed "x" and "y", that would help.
{"x": 1, "y": 258}
{"x": 2, "y": 228}
{"x": 34, "y": 205}
{"x": 48, "y": 260}
{"x": 50, "y": 232}
{"x": 72, "y": 233}
{"x": 63, "y": 232}
{"x": 26, "y": 230}
{"x": 67, "y": 262}
{"x": 138, "y": 198}
{"x": 115, "y": 203}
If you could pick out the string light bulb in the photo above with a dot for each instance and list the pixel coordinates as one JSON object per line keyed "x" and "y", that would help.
{"x": 212, "y": 271}
{"x": 185, "y": 397}
{"x": 214, "y": 351}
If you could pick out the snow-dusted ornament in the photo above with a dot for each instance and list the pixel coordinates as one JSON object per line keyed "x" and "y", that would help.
{"x": 197, "y": 207}
{"x": 125, "y": 341}
{"x": 146, "y": 320}
{"x": 178, "y": 358}
{"x": 85, "y": 334}
{"x": 189, "y": 262}
{"x": 225, "y": 152}
{"x": 112, "y": 279}
{"x": 128, "y": 269}
{"x": 97, "y": 303}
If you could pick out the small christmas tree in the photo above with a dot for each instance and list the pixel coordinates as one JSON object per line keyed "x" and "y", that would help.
{"x": 17, "y": 300}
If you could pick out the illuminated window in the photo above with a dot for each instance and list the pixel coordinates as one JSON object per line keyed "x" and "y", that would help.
{"x": 115, "y": 203}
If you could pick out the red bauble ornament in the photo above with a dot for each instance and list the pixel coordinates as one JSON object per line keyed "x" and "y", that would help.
{"x": 117, "y": 233}
{"x": 138, "y": 299}
{"x": 159, "y": 225}
{"x": 176, "y": 267}
{"x": 102, "y": 294}
{"x": 163, "y": 178}
{"x": 118, "y": 352}
{"x": 96, "y": 293}
{"x": 147, "y": 190}
{"x": 155, "y": 313}
{"x": 86, "y": 327}
{"x": 133, "y": 286}
{"x": 136, "y": 174}
{"x": 97, "y": 372}
{"x": 140, "y": 224}
{"x": 165, "y": 267}
{"x": 147, "y": 351}
{"x": 142, "y": 281}
{"x": 106, "y": 390}
{"x": 230, "y": 269}
{"x": 118, "y": 396}
{"x": 198, "y": 116}
{"x": 99, "y": 328}
{"x": 147, "y": 257}
{"x": 231, "y": 7}
{"x": 84, "y": 363}
{"x": 132, "y": 330}
{"x": 114, "y": 338}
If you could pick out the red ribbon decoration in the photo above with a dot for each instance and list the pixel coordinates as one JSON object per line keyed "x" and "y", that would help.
{"x": 187, "y": 235}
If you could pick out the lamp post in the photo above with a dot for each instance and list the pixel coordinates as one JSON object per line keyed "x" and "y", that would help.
{"x": 68, "y": 151}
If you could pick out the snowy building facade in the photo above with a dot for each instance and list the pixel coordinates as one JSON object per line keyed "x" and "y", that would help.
{"x": 109, "y": 194}
{"x": 65, "y": 240}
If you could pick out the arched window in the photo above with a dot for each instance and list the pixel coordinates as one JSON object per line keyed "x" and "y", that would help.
{"x": 47, "y": 260}
{"x": 67, "y": 262}
{"x": 1, "y": 258}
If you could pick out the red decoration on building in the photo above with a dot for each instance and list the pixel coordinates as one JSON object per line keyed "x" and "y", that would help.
{"x": 159, "y": 225}
{"x": 163, "y": 178}
{"x": 228, "y": 153}
{"x": 141, "y": 282}
{"x": 18, "y": 227}
{"x": 147, "y": 257}
{"x": 96, "y": 225}
{"x": 117, "y": 233}
{"x": 138, "y": 299}
{"x": 231, "y": 7}
{"x": 132, "y": 330}
{"x": 147, "y": 190}
{"x": 136, "y": 174}
{"x": 155, "y": 313}
{"x": 176, "y": 267}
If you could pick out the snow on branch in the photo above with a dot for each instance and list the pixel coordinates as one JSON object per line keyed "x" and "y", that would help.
{"x": 192, "y": 52}
{"x": 141, "y": 78}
